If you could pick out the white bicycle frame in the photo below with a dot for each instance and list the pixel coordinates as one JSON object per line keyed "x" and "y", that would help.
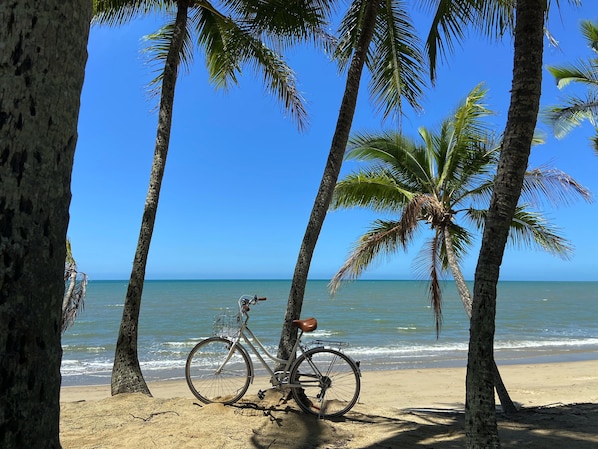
{"x": 245, "y": 333}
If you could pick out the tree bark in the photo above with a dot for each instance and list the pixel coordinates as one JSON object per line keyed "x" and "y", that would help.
{"x": 480, "y": 413}
{"x": 126, "y": 372}
{"x": 328, "y": 182}
{"x": 503, "y": 395}
{"x": 42, "y": 66}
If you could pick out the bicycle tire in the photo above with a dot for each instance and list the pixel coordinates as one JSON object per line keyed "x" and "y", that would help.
{"x": 208, "y": 385}
{"x": 330, "y": 382}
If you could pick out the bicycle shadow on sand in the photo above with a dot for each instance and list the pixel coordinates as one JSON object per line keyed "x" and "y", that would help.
{"x": 287, "y": 426}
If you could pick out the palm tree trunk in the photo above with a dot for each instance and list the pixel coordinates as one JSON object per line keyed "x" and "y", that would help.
{"x": 126, "y": 372}
{"x": 42, "y": 66}
{"x": 328, "y": 182}
{"x": 480, "y": 414}
{"x": 505, "y": 400}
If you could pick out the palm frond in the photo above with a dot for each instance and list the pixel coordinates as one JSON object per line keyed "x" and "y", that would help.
{"x": 383, "y": 238}
{"x": 468, "y": 118}
{"x": 214, "y": 34}
{"x": 370, "y": 189}
{"x": 461, "y": 240}
{"x": 348, "y": 30}
{"x": 75, "y": 289}
{"x": 465, "y": 146}
{"x": 583, "y": 72}
{"x": 573, "y": 111}
{"x": 427, "y": 266}
{"x": 495, "y": 18}
{"x": 447, "y": 29}
{"x": 462, "y": 154}
{"x": 452, "y": 19}
{"x": 395, "y": 152}
{"x": 530, "y": 229}
{"x": 551, "y": 186}
{"x": 594, "y": 141}
{"x": 589, "y": 31}
{"x": 119, "y": 12}
{"x": 278, "y": 77}
{"x": 396, "y": 63}
{"x": 156, "y": 52}
{"x": 420, "y": 207}
{"x": 283, "y": 22}
{"x": 476, "y": 217}
{"x": 229, "y": 47}
{"x": 476, "y": 194}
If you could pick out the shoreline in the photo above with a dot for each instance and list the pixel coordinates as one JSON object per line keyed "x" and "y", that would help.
{"x": 530, "y": 384}
{"x": 450, "y": 359}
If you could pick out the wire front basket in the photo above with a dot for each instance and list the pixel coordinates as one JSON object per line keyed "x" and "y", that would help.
{"x": 227, "y": 324}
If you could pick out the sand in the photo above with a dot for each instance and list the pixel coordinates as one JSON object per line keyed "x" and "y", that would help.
{"x": 420, "y": 408}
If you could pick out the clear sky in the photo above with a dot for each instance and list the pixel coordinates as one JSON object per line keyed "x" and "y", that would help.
{"x": 240, "y": 179}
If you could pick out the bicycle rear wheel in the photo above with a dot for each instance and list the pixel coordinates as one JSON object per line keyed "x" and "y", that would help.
{"x": 214, "y": 374}
{"x": 329, "y": 380}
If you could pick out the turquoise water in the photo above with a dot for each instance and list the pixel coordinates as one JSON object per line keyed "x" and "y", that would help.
{"x": 388, "y": 324}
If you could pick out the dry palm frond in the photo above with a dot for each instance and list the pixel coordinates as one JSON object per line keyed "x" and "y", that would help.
{"x": 75, "y": 288}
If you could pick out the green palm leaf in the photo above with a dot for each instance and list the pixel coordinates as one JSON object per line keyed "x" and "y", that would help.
{"x": 451, "y": 19}
{"x": 394, "y": 57}
{"x": 572, "y": 113}
{"x": 383, "y": 237}
{"x": 575, "y": 109}
{"x": 157, "y": 50}
{"x": 119, "y": 12}
{"x": 396, "y": 61}
{"x": 583, "y": 72}
{"x": 348, "y": 31}
{"x": 277, "y": 76}
{"x": 531, "y": 229}
{"x": 370, "y": 189}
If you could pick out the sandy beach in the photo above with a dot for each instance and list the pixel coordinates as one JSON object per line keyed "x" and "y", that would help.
{"x": 420, "y": 408}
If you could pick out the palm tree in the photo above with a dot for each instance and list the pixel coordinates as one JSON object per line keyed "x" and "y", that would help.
{"x": 577, "y": 109}
{"x": 42, "y": 67}
{"x": 74, "y": 291}
{"x": 380, "y": 35}
{"x": 232, "y": 36}
{"x": 480, "y": 412}
{"x": 430, "y": 182}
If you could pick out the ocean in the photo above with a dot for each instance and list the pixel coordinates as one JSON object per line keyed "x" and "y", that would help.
{"x": 387, "y": 324}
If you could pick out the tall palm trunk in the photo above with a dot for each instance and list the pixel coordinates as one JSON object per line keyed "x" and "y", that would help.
{"x": 42, "y": 66}
{"x": 126, "y": 372}
{"x": 328, "y": 182}
{"x": 501, "y": 390}
{"x": 480, "y": 414}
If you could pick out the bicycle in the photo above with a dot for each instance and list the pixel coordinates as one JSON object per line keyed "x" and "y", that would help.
{"x": 323, "y": 381}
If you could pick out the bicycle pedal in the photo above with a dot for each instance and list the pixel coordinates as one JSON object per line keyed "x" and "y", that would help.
{"x": 261, "y": 394}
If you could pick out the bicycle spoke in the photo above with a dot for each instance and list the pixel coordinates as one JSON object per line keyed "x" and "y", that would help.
{"x": 209, "y": 384}
{"x": 329, "y": 382}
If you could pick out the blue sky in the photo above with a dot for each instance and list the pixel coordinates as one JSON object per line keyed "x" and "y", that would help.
{"x": 240, "y": 179}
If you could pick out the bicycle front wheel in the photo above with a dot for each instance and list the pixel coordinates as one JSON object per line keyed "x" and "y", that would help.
{"x": 327, "y": 380}
{"x": 215, "y": 374}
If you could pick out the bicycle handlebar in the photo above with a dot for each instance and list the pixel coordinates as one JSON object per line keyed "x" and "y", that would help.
{"x": 247, "y": 300}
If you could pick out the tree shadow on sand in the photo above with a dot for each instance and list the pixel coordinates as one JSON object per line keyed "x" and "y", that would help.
{"x": 558, "y": 426}
{"x": 573, "y": 426}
